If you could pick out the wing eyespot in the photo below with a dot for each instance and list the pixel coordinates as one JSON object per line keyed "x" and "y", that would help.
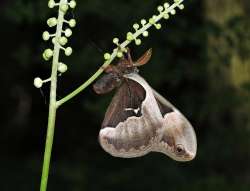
{"x": 179, "y": 149}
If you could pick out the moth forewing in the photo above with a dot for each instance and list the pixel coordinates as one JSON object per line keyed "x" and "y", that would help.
{"x": 125, "y": 133}
{"x": 150, "y": 104}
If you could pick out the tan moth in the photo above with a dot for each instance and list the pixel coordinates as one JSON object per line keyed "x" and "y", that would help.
{"x": 139, "y": 120}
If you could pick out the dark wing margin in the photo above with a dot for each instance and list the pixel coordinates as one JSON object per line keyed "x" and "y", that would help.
{"x": 129, "y": 96}
{"x": 164, "y": 106}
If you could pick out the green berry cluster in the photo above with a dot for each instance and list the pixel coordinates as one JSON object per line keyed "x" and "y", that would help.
{"x": 142, "y": 29}
{"x": 59, "y": 39}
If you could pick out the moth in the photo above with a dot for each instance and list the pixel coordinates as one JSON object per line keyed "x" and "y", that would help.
{"x": 139, "y": 120}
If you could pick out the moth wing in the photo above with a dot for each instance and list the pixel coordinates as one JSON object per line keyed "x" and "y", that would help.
{"x": 131, "y": 121}
{"x": 177, "y": 130}
{"x": 144, "y": 58}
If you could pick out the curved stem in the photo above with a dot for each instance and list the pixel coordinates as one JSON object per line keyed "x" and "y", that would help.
{"x": 108, "y": 62}
{"x": 52, "y": 104}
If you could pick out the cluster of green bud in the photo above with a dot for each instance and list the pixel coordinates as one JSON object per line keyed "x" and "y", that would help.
{"x": 63, "y": 7}
{"x": 60, "y": 39}
{"x": 163, "y": 12}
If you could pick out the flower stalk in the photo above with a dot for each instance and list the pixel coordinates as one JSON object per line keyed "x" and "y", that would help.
{"x": 59, "y": 41}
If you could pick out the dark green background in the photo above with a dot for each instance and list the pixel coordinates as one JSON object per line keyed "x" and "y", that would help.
{"x": 188, "y": 67}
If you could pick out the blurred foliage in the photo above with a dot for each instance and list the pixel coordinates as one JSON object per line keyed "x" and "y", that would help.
{"x": 200, "y": 64}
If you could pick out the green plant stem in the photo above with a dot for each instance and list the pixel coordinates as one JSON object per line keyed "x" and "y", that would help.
{"x": 85, "y": 84}
{"x": 113, "y": 56}
{"x": 52, "y": 104}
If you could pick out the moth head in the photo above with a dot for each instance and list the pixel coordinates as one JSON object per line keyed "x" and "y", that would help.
{"x": 179, "y": 137}
{"x": 126, "y": 64}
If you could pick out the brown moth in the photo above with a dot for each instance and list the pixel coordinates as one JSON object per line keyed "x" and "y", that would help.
{"x": 139, "y": 120}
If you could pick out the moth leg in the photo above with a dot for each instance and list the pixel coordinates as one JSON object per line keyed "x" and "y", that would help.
{"x": 129, "y": 58}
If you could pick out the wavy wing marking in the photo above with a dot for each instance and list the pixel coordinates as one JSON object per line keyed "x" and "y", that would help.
{"x": 128, "y": 129}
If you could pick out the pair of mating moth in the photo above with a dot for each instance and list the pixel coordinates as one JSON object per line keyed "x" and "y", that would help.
{"x": 139, "y": 120}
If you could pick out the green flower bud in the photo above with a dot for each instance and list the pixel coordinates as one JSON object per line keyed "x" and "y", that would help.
{"x": 145, "y": 33}
{"x": 124, "y": 50}
{"x": 151, "y": 21}
{"x": 138, "y": 42}
{"x": 62, "y": 67}
{"x": 54, "y": 40}
{"x": 158, "y": 26}
{"x": 45, "y": 57}
{"x": 46, "y": 35}
{"x": 166, "y": 16}
{"x": 181, "y": 6}
{"x": 119, "y": 54}
{"x": 107, "y": 56}
{"x": 143, "y": 22}
{"x": 63, "y": 40}
{"x": 160, "y": 8}
{"x": 72, "y": 4}
{"x": 154, "y": 17}
{"x": 51, "y": 4}
{"x": 116, "y": 41}
{"x": 68, "y": 51}
{"x": 64, "y": 7}
{"x": 173, "y": 12}
{"x": 72, "y": 23}
{"x": 130, "y": 36}
{"x": 38, "y": 83}
{"x": 136, "y": 26}
{"x": 166, "y": 5}
{"x": 48, "y": 53}
{"x": 52, "y": 22}
{"x": 68, "y": 32}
